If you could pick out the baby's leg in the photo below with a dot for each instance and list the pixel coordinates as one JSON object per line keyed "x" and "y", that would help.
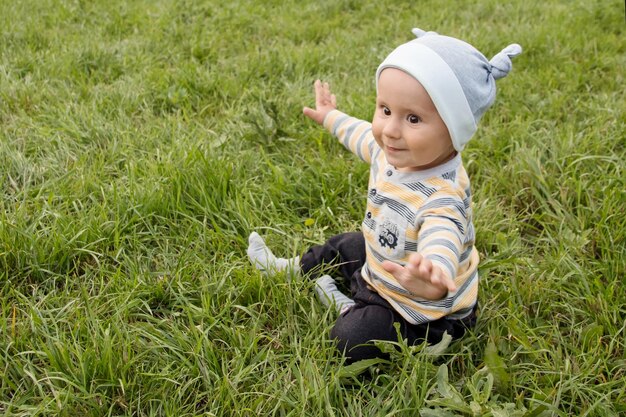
{"x": 330, "y": 296}
{"x": 263, "y": 259}
{"x": 356, "y": 329}
{"x": 344, "y": 253}
{"x": 372, "y": 318}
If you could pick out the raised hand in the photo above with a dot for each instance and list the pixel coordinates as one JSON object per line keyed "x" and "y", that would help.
{"x": 421, "y": 277}
{"x": 325, "y": 101}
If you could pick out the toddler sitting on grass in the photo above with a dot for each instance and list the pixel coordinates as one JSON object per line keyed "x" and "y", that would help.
{"x": 414, "y": 262}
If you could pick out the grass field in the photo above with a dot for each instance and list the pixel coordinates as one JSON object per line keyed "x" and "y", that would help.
{"x": 141, "y": 142}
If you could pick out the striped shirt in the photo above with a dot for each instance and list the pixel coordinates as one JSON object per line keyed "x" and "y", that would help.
{"x": 425, "y": 211}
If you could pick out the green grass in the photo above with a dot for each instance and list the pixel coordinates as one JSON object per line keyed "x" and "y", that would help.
{"x": 141, "y": 142}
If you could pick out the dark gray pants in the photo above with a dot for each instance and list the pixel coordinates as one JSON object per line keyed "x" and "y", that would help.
{"x": 372, "y": 317}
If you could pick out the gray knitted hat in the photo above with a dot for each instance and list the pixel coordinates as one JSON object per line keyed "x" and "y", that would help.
{"x": 458, "y": 78}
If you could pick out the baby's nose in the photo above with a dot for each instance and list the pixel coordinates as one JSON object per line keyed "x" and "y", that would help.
{"x": 392, "y": 129}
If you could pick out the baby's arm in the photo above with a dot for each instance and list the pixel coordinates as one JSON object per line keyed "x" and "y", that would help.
{"x": 354, "y": 134}
{"x": 325, "y": 102}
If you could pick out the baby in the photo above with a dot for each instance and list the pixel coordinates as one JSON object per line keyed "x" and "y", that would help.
{"x": 414, "y": 262}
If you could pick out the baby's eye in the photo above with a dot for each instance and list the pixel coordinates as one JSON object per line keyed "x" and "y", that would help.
{"x": 413, "y": 119}
{"x": 386, "y": 111}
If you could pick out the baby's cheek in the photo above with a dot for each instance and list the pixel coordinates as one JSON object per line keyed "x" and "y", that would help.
{"x": 377, "y": 127}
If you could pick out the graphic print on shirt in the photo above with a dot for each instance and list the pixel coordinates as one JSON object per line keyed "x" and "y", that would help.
{"x": 388, "y": 235}
{"x": 391, "y": 234}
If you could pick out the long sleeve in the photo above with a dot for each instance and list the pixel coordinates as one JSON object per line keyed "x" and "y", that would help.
{"x": 354, "y": 134}
{"x": 446, "y": 237}
{"x": 442, "y": 229}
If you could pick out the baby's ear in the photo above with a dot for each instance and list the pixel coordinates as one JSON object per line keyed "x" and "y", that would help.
{"x": 501, "y": 64}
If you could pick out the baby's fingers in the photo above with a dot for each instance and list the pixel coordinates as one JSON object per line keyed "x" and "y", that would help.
{"x": 393, "y": 268}
{"x": 321, "y": 91}
{"x": 439, "y": 279}
{"x": 317, "y": 84}
{"x": 414, "y": 263}
{"x": 425, "y": 268}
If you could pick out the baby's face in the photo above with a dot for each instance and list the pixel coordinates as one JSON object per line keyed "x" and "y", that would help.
{"x": 406, "y": 124}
